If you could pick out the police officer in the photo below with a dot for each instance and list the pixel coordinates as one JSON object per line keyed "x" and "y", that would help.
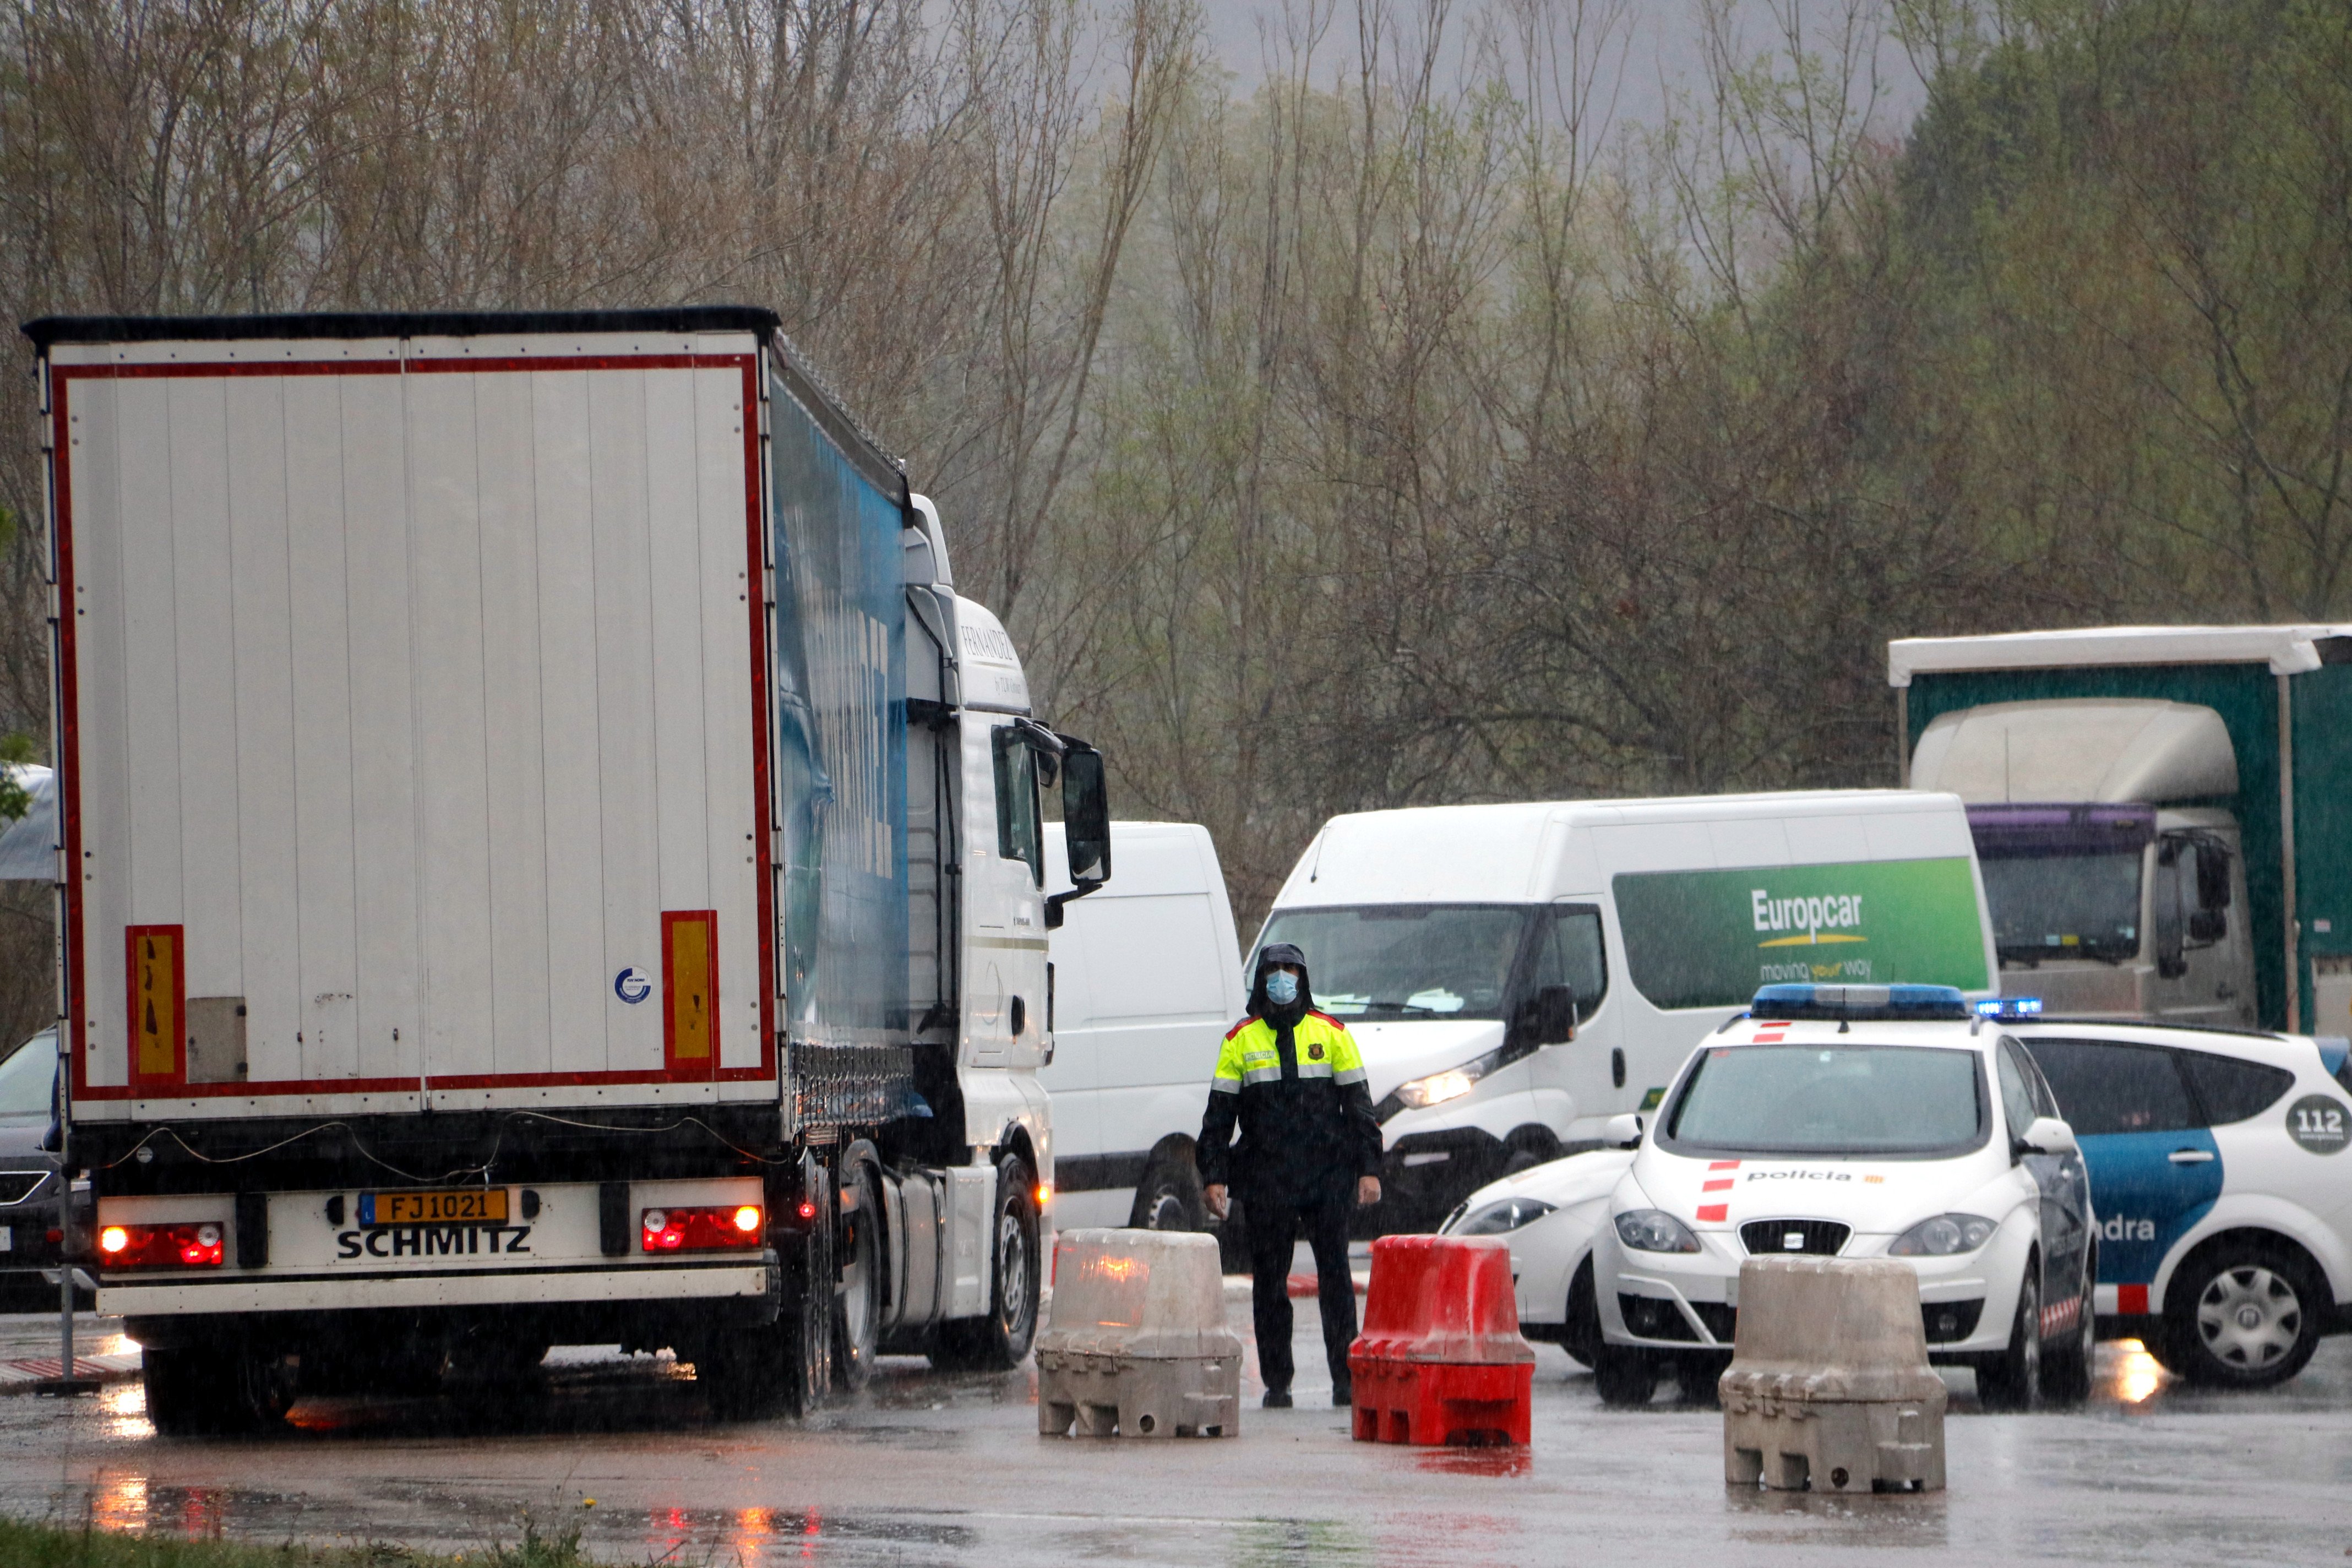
{"x": 1310, "y": 1150}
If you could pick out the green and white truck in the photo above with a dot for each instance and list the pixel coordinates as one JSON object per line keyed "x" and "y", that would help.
{"x": 2160, "y": 812}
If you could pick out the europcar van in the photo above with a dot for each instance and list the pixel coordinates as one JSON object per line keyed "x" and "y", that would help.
{"x": 1146, "y": 980}
{"x": 1518, "y": 974}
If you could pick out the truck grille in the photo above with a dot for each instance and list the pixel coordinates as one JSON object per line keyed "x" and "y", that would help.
{"x": 852, "y": 1085}
{"x": 1766, "y": 1238}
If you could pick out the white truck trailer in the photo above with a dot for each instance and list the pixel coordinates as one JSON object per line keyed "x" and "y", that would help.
{"x": 547, "y": 856}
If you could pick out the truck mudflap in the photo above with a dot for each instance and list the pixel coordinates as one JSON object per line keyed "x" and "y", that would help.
{"x": 355, "y": 1249}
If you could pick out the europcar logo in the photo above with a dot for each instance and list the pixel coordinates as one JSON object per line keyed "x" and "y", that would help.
{"x": 1813, "y": 920}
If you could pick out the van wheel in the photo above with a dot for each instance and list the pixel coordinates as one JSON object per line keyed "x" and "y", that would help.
{"x": 1168, "y": 1197}
{"x": 1579, "y": 1333}
{"x": 2244, "y": 1314}
{"x": 2011, "y": 1379}
{"x": 1623, "y": 1376}
{"x": 2067, "y": 1366}
{"x": 1528, "y": 1147}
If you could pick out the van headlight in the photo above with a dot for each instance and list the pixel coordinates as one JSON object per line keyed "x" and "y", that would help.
{"x": 1420, "y": 1093}
{"x": 1945, "y": 1236}
{"x": 1654, "y": 1230}
{"x": 1498, "y": 1219}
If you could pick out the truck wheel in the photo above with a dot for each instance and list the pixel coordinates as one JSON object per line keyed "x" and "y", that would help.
{"x": 216, "y": 1389}
{"x": 2067, "y": 1366}
{"x": 1000, "y": 1339}
{"x": 2243, "y": 1315}
{"x": 1625, "y": 1376}
{"x": 2011, "y": 1379}
{"x": 857, "y": 1302}
{"x": 1579, "y": 1333}
{"x": 1168, "y": 1197}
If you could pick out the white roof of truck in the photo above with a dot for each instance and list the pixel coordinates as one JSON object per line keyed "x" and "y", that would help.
{"x": 1541, "y": 849}
{"x": 2287, "y": 649}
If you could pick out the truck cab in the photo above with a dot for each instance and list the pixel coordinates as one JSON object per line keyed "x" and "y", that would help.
{"x": 2111, "y": 850}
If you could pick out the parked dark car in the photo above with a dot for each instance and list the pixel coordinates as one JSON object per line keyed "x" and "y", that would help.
{"x": 30, "y": 1235}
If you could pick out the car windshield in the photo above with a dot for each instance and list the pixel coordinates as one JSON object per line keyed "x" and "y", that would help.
{"x": 1882, "y": 1100}
{"x": 1406, "y": 961}
{"x": 27, "y": 1075}
{"x": 2064, "y": 906}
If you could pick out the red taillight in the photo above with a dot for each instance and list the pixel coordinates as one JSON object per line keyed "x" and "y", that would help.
{"x": 700, "y": 1229}
{"x": 808, "y": 1209}
{"x": 193, "y": 1245}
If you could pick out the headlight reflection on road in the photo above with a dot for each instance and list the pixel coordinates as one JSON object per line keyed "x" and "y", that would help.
{"x": 2138, "y": 1375}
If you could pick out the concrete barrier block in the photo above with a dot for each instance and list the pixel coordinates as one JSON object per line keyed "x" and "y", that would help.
{"x": 1136, "y": 1343}
{"x": 1829, "y": 1387}
{"x": 1123, "y": 1397}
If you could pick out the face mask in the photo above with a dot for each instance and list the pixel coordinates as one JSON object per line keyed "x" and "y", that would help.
{"x": 1282, "y": 988}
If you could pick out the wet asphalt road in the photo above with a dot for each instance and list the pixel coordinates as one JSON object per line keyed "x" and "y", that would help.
{"x": 925, "y": 1468}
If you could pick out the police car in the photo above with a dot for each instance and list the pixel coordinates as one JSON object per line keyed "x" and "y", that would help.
{"x": 2223, "y": 1192}
{"x": 1862, "y": 1121}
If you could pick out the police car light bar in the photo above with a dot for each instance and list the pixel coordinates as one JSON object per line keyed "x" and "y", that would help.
{"x": 2010, "y": 1008}
{"x": 1796, "y": 1003}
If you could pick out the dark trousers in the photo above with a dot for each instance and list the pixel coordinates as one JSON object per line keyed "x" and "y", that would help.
{"x": 1275, "y": 1228}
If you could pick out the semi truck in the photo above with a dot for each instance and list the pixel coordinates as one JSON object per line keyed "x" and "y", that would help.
{"x": 547, "y": 856}
{"x": 2161, "y": 812}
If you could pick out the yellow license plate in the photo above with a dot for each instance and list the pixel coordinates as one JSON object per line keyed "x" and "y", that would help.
{"x": 433, "y": 1208}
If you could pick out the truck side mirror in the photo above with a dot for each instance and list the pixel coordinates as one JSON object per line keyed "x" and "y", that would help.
{"x": 2212, "y": 879}
{"x": 1085, "y": 825}
{"x": 2208, "y": 926}
{"x": 1555, "y": 1019}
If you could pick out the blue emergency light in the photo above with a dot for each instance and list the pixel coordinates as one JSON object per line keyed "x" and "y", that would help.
{"x": 2010, "y": 1008}
{"x": 1886, "y": 1003}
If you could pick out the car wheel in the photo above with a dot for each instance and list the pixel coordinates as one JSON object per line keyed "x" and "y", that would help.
{"x": 2243, "y": 1315}
{"x": 1699, "y": 1377}
{"x": 2068, "y": 1365}
{"x": 1580, "y": 1332}
{"x": 2011, "y": 1379}
{"x": 1625, "y": 1376}
{"x": 1168, "y": 1197}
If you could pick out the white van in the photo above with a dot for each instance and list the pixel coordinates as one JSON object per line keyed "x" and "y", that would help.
{"x": 1147, "y": 978}
{"x": 1518, "y": 974}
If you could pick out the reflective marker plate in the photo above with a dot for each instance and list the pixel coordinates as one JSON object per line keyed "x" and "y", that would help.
{"x": 433, "y": 1208}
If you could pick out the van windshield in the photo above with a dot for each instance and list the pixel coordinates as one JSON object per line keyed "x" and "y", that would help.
{"x": 1851, "y": 1100}
{"x": 1406, "y": 961}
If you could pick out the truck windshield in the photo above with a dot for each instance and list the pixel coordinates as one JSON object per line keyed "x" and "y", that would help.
{"x": 1884, "y": 1101}
{"x": 1406, "y": 961}
{"x": 2064, "y": 906}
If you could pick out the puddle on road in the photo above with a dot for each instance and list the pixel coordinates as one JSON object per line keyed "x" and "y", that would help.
{"x": 1467, "y": 1461}
{"x": 1905, "y": 1519}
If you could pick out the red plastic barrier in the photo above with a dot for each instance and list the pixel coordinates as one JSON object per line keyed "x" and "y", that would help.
{"x": 1441, "y": 1359}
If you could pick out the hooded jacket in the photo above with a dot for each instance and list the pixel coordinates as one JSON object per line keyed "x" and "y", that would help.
{"x": 1292, "y": 1080}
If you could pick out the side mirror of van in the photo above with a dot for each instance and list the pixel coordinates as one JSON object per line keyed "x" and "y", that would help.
{"x": 1554, "y": 1015}
{"x": 1623, "y": 1131}
{"x": 1085, "y": 825}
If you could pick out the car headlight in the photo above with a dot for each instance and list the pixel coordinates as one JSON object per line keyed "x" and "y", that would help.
{"x": 1945, "y": 1236}
{"x": 1497, "y": 1220}
{"x": 1654, "y": 1230}
{"x": 1420, "y": 1093}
